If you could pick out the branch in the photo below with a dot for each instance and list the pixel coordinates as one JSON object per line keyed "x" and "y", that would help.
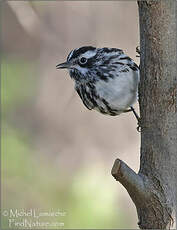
{"x": 132, "y": 182}
{"x": 152, "y": 189}
{"x": 144, "y": 196}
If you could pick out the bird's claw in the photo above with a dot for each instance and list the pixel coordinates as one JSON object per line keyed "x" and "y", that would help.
{"x": 138, "y": 128}
{"x": 138, "y": 51}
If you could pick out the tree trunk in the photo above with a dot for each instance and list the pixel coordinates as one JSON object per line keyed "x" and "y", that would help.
{"x": 153, "y": 189}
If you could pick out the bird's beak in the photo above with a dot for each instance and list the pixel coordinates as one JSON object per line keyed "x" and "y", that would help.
{"x": 64, "y": 65}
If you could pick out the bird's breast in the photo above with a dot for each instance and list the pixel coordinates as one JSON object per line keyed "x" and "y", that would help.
{"x": 112, "y": 96}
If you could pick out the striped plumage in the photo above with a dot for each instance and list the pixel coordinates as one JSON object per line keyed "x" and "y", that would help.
{"x": 106, "y": 79}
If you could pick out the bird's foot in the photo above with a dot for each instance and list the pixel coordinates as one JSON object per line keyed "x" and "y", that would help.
{"x": 138, "y": 51}
{"x": 138, "y": 119}
{"x": 139, "y": 125}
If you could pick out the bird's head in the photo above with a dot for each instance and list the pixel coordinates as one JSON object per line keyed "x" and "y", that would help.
{"x": 90, "y": 63}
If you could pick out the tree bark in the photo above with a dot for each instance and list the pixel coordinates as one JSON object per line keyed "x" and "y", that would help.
{"x": 153, "y": 189}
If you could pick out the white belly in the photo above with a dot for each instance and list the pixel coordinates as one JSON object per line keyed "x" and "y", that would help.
{"x": 120, "y": 92}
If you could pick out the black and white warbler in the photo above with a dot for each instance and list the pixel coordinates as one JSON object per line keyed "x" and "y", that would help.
{"x": 106, "y": 79}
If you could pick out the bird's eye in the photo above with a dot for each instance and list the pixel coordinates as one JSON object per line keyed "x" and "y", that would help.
{"x": 83, "y": 60}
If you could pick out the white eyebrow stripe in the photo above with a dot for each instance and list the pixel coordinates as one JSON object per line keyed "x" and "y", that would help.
{"x": 69, "y": 57}
{"x": 89, "y": 54}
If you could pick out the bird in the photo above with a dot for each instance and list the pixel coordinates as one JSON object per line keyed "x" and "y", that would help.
{"x": 106, "y": 79}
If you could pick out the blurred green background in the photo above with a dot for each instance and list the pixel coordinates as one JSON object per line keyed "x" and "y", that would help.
{"x": 55, "y": 154}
